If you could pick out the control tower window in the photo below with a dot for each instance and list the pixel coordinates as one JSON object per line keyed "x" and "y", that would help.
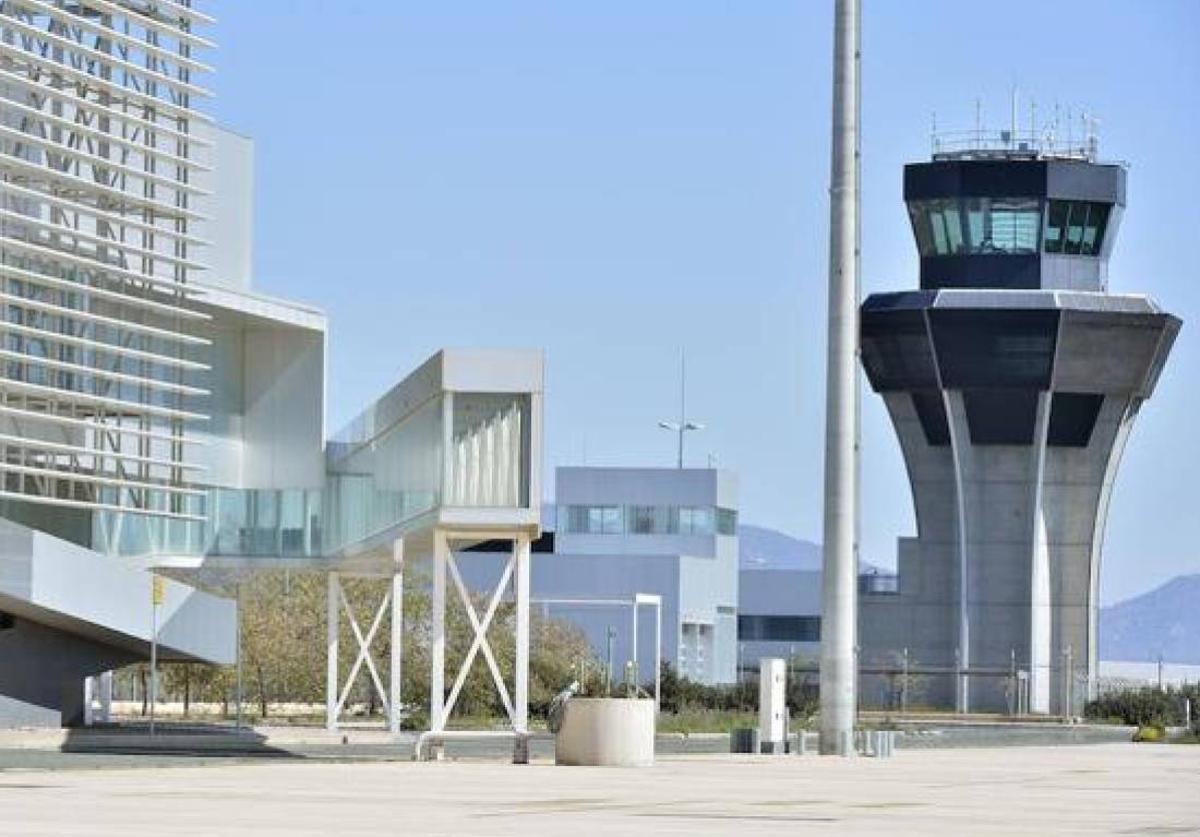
{"x": 1076, "y": 228}
{"x": 977, "y": 226}
{"x": 938, "y": 226}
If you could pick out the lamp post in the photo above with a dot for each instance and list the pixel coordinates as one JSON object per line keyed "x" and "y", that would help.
{"x": 682, "y": 426}
{"x": 839, "y": 595}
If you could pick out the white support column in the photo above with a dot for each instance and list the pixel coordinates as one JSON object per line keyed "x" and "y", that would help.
{"x": 1040, "y": 629}
{"x": 89, "y": 696}
{"x": 437, "y": 650}
{"x": 658, "y": 655}
{"x": 394, "y": 672}
{"x": 333, "y": 598}
{"x": 960, "y": 440}
{"x": 633, "y": 649}
{"x": 106, "y": 694}
{"x": 521, "y": 547}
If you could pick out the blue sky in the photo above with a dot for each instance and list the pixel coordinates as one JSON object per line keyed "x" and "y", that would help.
{"x": 617, "y": 181}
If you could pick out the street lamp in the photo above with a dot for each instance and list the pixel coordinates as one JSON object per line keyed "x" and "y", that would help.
{"x": 680, "y": 428}
{"x": 683, "y": 425}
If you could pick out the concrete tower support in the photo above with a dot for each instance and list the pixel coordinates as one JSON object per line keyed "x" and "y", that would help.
{"x": 1011, "y": 491}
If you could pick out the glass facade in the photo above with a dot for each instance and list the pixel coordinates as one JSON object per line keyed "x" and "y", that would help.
{"x": 375, "y": 479}
{"x": 1008, "y": 226}
{"x": 487, "y": 468}
{"x": 646, "y": 520}
{"x": 386, "y": 480}
{"x": 1076, "y": 228}
{"x": 977, "y": 226}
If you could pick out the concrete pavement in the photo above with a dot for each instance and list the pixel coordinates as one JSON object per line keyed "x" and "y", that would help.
{"x": 1117, "y": 788}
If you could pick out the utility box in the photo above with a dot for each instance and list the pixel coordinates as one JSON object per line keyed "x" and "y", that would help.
{"x": 772, "y": 705}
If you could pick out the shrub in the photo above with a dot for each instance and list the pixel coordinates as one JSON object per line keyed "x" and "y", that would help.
{"x": 680, "y": 695}
{"x": 1148, "y": 706}
{"x": 1150, "y": 734}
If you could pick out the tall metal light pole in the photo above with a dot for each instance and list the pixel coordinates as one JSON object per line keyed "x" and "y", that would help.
{"x": 683, "y": 425}
{"x": 838, "y": 595}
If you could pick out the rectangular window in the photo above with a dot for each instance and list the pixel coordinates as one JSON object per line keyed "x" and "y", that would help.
{"x": 1093, "y": 230}
{"x": 977, "y": 220}
{"x": 1056, "y": 223}
{"x": 953, "y": 221}
{"x": 577, "y": 520}
{"x": 779, "y": 628}
{"x": 594, "y": 520}
{"x": 641, "y": 520}
{"x": 1076, "y": 227}
{"x": 1015, "y": 224}
{"x": 604, "y": 520}
{"x": 1075, "y": 223}
{"x": 695, "y": 520}
{"x": 938, "y": 227}
{"x": 727, "y": 521}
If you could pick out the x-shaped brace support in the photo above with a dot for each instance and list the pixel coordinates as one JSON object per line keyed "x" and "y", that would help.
{"x": 480, "y": 628}
{"x": 364, "y": 648}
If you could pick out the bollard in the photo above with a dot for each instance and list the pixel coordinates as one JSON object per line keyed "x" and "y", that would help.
{"x": 772, "y": 705}
{"x": 744, "y": 740}
{"x": 521, "y": 749}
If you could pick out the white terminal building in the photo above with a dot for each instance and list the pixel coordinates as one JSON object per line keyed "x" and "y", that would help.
{"x": 158, "y": 415}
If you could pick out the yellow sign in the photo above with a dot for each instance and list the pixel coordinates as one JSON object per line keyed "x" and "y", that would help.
{"x": 158, "y": 590}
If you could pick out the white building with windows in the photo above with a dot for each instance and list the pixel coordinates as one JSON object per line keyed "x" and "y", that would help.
{"x": 620, "y": 532}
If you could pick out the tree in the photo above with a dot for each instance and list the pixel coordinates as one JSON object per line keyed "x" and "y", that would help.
{"x": 283, "y": 635}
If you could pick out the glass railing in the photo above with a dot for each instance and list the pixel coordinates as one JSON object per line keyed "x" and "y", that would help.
{"x": 265, "y": 523}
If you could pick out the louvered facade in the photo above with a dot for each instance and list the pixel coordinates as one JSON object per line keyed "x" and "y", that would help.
{"x": 104, "y": 356}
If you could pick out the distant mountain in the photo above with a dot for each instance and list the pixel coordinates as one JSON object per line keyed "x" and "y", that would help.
{"x": 1164, "y": 621}
{"x": 766, "y": 549}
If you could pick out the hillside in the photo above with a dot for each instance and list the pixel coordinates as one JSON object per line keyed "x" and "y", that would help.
{"x": 1164, "y": 621}
{"x": 766, "y": 549}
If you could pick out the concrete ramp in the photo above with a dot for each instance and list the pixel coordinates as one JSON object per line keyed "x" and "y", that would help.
{"x": 67, "y": 612}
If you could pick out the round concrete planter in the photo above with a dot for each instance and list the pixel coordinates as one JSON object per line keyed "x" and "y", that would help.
{"x": 606, "y": 732}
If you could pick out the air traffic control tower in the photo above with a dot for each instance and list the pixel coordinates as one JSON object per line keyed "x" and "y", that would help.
{"x": 1013, "y": 377}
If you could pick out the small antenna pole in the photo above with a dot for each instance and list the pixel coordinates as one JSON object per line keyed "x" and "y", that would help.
{"x": 1012, "y": 136}
{"x": 978, "y": 122}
